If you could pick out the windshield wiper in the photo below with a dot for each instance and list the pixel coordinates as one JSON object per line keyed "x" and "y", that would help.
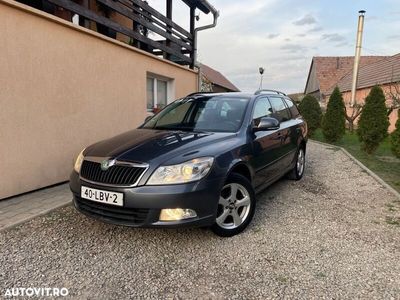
{"x": 164, "y": 128}
{"x": 186, "y": 129}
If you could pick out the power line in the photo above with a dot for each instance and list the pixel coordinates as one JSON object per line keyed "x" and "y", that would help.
{"x": 377, "y": 52}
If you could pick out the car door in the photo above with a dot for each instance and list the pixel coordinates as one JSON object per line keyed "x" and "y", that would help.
{"x": 265, "y": 145}
{"x": 288, "y": 147}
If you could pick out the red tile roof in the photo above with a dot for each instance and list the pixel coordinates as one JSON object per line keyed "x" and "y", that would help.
{"x": 384, "y": 71}
{"x": 217, "y": 78}
{"x": 330, "y": 69}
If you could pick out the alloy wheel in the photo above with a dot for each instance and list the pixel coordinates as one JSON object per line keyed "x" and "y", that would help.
{"x": 300, "y": 162}
{"x": 233, "y": 206}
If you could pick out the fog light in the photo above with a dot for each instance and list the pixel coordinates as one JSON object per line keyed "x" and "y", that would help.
{"x": 176, "y": 214}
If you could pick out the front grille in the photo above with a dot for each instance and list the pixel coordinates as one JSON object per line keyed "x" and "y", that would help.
{"x": 123, "y": 175}
{"x": 115, "y": 214}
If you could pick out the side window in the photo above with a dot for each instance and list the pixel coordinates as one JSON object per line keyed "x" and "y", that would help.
{"x": 262, "y": 108}
{"x": 281, "y": 112}
{"x": 176, "y": 115}
{"x": 293, "y": 109}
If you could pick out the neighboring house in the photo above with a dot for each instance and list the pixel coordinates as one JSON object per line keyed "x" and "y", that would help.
{"x": 296, "y": 97}
{"x": 326, "y": 71}
{"x": 76, "y": 72}
{"x": 214, "y": 81}
{"x": 385, "y": 73}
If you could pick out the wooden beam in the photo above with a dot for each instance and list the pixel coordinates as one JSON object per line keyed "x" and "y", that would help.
{"x": 141, "y": 20}
{"x": 159, "y": 53}
{"x": 197, "y": 4}
{"x": 192, "y": 26}
{"x": 169, "y": 10}
{"x": 82, "y": 11}
{"x": 192, "y": 20}
{"x": 169, "y": 27}
{"x": 154, "y": 20}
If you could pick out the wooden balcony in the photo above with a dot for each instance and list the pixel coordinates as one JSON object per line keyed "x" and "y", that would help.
{"x": 138, "y": 23}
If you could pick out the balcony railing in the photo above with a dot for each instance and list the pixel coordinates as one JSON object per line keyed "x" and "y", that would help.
{"x": 143, "y": 26}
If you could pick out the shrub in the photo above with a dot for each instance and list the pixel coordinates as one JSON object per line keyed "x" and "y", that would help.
{"x": 311, "y": 112}
{"x": 373, "y": 123}
{"x": 395, "y": 137}
{"x": 333, "y": 122}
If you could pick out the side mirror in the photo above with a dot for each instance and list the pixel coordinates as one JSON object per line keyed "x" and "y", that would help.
{"x": 147, "y": 118}
{"x": 267, "y": 123}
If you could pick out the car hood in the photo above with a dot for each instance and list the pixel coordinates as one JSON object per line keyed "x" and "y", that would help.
{"x": 146, "y": 145}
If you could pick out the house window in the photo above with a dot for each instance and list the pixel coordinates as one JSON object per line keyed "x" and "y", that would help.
{"x": 157, "y": 93}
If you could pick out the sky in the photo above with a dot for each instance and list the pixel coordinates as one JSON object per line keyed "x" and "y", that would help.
{"x": 283, "y": 35}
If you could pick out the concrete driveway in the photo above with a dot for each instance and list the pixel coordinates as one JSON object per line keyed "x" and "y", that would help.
{"x": 334, "y": 234}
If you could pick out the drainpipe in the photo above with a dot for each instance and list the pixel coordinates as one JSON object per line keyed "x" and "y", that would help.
{"x": 357, "y": 57}
{"x": 212, "y": 25}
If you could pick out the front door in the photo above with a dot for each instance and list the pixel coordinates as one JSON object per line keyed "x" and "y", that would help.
{"x": 266, "y": 145}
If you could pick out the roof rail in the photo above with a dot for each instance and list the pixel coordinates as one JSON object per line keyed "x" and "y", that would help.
{"x": 273, "y": 91}
{"x": 199, "y": 93}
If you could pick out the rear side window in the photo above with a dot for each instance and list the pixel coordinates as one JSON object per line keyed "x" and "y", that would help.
{"x": 293, "y": 109}
{"x": 262, "y": 108}
{"x": 281, "y": 112}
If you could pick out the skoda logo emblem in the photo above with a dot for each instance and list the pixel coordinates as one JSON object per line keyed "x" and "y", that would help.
{"x": 105, "y": 164}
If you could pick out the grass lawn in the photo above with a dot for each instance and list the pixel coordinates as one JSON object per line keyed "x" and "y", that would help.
{"x": 383, "y": 162}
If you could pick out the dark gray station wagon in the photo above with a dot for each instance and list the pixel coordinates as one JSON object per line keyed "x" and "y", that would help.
{"x": 198, "y": 162}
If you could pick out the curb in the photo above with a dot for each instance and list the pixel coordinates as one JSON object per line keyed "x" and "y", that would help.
{"x": 360, "y": 164}
{"x": 42, "y": 213}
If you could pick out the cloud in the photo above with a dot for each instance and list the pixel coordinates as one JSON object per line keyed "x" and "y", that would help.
{"x": 315, "y": 29}
{"x": 371, "y": 18}
{"x": 333, "y": 37}
{"x": 305, "y": 20}
{"x": 342, "y": 44}
{"x": 250, "y": 35}
{"x": 272, "y": 35}
{"x": 393, "y": 37}
{"x": 293, "y": 48}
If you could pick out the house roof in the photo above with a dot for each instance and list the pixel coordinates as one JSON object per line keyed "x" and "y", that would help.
{"x": 384, "y": 71}
{"x": 330, "y": 69}
{"x": 217, "y": 78}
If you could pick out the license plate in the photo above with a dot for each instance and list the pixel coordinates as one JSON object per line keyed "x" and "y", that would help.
{"x": 102, "y": 196}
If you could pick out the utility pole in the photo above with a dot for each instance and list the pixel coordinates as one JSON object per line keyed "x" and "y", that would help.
{"x": 357, "y": 56}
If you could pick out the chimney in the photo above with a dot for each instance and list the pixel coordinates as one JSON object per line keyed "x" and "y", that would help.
{"x": 357, "y": 56}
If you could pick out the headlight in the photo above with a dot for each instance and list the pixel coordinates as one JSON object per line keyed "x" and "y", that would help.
{"x": 78, "y": 162}
{"x": 189, "y": 171}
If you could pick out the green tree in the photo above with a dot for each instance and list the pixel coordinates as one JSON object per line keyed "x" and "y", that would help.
{"x": 333, "y": 122}
{"x": 395, "y": 137}
{"x": 373, "y": 123}
{"x": 311, "y": 112}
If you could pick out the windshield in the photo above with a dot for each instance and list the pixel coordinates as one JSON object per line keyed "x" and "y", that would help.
{"x": 214, "y": 114}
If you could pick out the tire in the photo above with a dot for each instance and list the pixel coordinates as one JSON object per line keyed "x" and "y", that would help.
{"x": 298, "y": 171}
{"x": 234, "y": 214}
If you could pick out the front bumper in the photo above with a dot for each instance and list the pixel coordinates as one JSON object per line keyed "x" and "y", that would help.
{"x": 143, "y": 204}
